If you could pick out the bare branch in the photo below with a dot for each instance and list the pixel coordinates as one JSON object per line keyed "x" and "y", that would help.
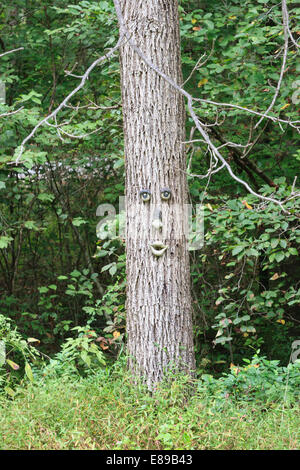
{"x": 286, "y": 22}
{"x": 73, "y": 136}
{"x": 229, "y": 144}
{"x": 94, "y": 106}
{"x": 251, "y": 111}
{"x": 285, "y": 51}
{"x": 199, "y": 63}
{"x": 11, "y": 112}
{"x": 10, "y": 52}
{"x": 209, "y": 173}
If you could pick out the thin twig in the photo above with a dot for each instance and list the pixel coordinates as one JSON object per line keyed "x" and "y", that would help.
{"x": 11, "y": 112}
{"x": 10, "y": 52}
{"x": 286, "y": 14}
{"x": 285, "y": 51}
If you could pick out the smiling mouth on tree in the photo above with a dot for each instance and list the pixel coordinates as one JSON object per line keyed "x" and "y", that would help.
{"x": 158, "y": 248}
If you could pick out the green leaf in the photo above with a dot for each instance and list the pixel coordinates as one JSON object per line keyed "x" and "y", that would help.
{"x": 4, "y": 241}
{"x": 283, "y": 243}
{"x": 279, "y": 256}
{"x": 70, "y": 292}
{"x": 44, "y": 197}
{"x": 245, "y": 318}
{"x": 10, "y": 391}
{"x": 79, "y": 221}
{"x": 28, "y": 372}
{"x": 238, "y": 249}
{"x": 12, "y": 364}
{"x": 113, "y": 270}
{"x": 222, "y": 339}
{"x": 53, "y": 287}
{"x": 30, "y": 224}
{"x": 33, "y": 340}
{"x": 119, "y": 163}
{"x": 43, "y": 290}
{"x": 106, "y": 267}
{"x": 75, "y": 273}
{"x": 86, "y": 359}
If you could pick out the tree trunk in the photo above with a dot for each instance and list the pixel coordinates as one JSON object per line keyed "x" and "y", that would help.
{"x": 159, "y": 313}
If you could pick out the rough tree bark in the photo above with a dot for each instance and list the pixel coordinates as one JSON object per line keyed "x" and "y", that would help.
{"x": 159, "y": 313}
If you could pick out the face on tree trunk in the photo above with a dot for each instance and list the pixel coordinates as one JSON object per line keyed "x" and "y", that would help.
{"x": 159, "y": 323}
{"x": 157, "y": 221}
{"x": 158, "y": 305}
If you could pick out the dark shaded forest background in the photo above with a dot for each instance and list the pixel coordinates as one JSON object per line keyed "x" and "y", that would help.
{"x": 55, "y": 274}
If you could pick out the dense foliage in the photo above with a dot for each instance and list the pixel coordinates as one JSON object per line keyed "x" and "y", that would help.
{"x": 62, "y": 287}
{"x": 104, "y": 411}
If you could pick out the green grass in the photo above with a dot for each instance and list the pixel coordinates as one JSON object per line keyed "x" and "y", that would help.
{"x": 106, "y": 411}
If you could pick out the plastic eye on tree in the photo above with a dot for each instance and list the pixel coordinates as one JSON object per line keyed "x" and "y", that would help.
{"x": 165, "y": 194}
{"x": 145, "y": 195}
